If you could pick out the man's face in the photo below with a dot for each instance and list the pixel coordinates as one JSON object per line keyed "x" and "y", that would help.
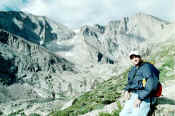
{"x": 135, "y": 60}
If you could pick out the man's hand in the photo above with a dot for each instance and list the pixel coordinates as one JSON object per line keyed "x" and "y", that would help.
{"x": 137, "y": 103}
{"x": 127, "y": 95}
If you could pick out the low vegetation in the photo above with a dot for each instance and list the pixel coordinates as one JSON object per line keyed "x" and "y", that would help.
{"x": 21, "y": 113}
{"x": 17, "y": 113}
{"x": 166, "y": 60}
{"x": 105, "y": 93}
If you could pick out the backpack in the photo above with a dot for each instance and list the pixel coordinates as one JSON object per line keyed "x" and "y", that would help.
{"x": 158, "y": 91}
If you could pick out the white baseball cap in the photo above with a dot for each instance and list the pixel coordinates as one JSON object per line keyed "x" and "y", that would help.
{"x": 135, "y": 53}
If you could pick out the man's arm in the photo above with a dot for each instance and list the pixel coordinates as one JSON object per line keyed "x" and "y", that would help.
{"x": 151, "y": 83}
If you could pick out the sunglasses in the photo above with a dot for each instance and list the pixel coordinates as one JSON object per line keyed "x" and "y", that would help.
{"x": 134, "y": 56}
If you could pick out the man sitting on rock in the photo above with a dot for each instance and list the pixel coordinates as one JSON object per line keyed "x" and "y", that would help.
{"x": 143, "y": 79}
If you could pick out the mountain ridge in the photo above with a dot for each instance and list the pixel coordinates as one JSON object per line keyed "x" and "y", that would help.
{"x": 68, "y": 64}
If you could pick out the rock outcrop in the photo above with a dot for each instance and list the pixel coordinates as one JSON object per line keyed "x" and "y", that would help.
{"x": 29, "y": 71}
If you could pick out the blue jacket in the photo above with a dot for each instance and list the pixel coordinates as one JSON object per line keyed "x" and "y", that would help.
{"x": 136, "y": 75}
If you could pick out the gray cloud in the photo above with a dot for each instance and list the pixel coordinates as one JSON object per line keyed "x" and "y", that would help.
{"x": 11, "y": 4}
{"x": 75, "y": 13}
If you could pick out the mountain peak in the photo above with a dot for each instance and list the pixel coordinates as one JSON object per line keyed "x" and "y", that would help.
{"x": 33, "y": 28}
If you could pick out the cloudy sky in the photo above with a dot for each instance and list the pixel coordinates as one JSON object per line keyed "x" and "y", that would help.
{"x": 75, "y": 13}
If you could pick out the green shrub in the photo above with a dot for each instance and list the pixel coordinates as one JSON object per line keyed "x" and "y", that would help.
{"x": 169, "y": 62}
{"x": 1, "y": 113}
{"x": 60, "y": 113}
{"x": 17, "y": 113}
{"x": 117, "y": 111}
{"x": 99, "y": 106}
{"x": 34, "y": 114}
{"x": 23, "y": 114}
{"x": 104, "y": 114}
